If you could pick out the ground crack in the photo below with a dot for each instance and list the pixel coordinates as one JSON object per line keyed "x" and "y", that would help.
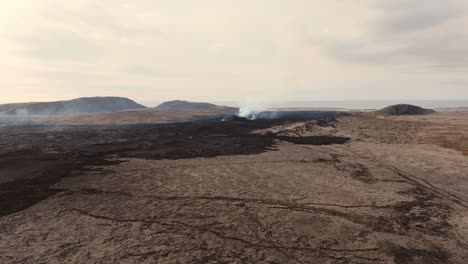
{"x": 90, "y": 191}
{"x": 220, "y": 235}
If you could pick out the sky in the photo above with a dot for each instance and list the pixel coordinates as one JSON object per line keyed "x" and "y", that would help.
{"x": 226, "y": 50}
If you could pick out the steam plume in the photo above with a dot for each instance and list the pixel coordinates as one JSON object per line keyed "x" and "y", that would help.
{"x": 250, "y": 107}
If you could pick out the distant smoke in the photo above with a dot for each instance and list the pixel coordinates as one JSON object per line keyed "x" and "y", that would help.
{"x": 252, "y": 106}
{"x": 22, "y": 113}
{"x": 21, "y": 116}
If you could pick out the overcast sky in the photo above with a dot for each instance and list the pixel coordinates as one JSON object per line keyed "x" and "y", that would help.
{"x": 214, "y": 50}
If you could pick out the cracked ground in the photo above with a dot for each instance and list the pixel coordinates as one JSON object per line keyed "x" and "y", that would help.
{"x": 206, "y": 194}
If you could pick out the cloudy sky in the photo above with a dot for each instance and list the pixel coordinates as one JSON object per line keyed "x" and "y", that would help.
{"x": 215, "y": 50}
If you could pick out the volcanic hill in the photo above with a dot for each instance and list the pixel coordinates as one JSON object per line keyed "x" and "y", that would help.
{"x": 75, "y": 106}
{"x": 403, "y": 109}
{"x": 178, "y": 105}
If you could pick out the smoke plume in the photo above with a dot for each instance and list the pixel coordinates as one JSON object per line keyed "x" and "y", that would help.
{"x": 252, "y": 106}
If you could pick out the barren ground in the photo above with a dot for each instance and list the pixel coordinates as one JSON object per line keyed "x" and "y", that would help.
{"x": 138, "y": 116}
{"x": 445, "y": 129}
{"x": 236, "y": 192}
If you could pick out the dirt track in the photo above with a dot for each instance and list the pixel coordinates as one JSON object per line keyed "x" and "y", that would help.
{"x": 215, "y": 193}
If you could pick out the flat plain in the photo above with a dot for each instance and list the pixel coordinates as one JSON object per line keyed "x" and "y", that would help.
{"x": 352, "y": 189}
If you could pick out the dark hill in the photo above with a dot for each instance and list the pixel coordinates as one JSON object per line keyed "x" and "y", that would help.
{"x": 404, "y": 109}
{"x": 75, "y": 106}
{"x": 179, "y": 105}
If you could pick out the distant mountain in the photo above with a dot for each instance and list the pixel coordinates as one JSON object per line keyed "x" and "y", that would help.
{"x": 403, "y": 109}
{"x": 179, "y": 105}
{"x": 168, "y": 112}
{"x": 75, "y": 106}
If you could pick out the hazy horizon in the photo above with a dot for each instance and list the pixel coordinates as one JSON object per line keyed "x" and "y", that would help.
{"x": 346, "y": 104}
{"x": 220, "y": 50}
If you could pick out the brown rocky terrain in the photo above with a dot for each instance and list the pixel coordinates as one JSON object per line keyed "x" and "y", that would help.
{"x": 340, "y": 189}
{"x": 447, "y": 129}
{"x": 139, "y": 116}
{"x": 168, "y": 112}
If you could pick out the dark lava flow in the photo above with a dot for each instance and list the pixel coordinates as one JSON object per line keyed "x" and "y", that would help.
{"x": 34, "y": 157}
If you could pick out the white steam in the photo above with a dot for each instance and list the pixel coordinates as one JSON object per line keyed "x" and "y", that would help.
{"x": 252, "y": 106}
{"x": 22, "y": 113}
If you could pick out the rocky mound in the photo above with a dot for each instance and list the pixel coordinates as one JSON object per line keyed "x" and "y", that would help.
{"x": 404, "y": 109}
{"x": 75, "y": 106}
{"x": 179, "y": 105}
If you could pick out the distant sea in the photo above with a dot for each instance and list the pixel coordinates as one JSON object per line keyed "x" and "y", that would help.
{"x": 356, "y": 104}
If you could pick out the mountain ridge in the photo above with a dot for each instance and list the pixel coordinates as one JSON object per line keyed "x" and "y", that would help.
{"x": 177, "y": 105}
{"x": 73, "y": 106}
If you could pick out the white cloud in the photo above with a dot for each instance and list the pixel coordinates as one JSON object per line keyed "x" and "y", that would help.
{"x": 409, "y": 32}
